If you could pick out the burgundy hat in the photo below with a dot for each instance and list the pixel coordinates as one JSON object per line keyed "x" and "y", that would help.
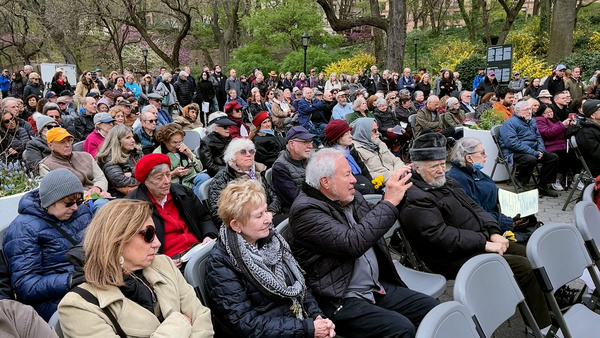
{"x": 335, "y": 129}
{"x": 263, "y": 115}
{"x": 231, "y": 106}
{"x": 146, "y": 163}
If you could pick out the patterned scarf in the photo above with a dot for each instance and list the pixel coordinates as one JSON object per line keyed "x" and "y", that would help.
{"x": 266, "y": 267}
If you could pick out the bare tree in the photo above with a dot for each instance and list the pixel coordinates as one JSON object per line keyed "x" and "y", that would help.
{"x": 563, "y": 26}
{"x": 511, "y": 15}
{"x": 19, "y": 37}
{"x": 225, "y": 37}
{"x": 470, "y": 16}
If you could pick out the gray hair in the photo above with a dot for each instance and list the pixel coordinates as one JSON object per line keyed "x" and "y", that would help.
{"x": 380, "y": 102}
{"x": 277, "y": 93}
{"x": 418, "y": 92}
{"x": 373, "y": 67}
{"x": 462, "y": 148}
{"x": 450, "y": 102}
{"x": 356, "y": 104}
{"x": 520, "y": 105}
{"x": 50, "y": 106}
{"x": 148, "y": 109}
{"x": 167, "y": 76}
{"x": 386, "y": 72}
{"x": 431, "y": 98}
{"x": 234, "y": 146}
{"x": 28, "y": 67}
{"x": 159, "y": 168}
{"x": 321, "y": 164}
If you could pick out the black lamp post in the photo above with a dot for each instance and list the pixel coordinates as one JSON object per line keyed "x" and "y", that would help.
{"x": 416, "y": 42}
{"x": 145, "y": 54}
{"x": 24, "y": 62}
{"x": 305, "y": 40}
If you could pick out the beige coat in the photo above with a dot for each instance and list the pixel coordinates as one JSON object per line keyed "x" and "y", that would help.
{"x": 379, "y": 163}
{"x": 80, "y": 318}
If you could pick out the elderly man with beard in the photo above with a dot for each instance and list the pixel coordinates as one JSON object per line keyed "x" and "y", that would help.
{"x": 446, "y": 227}
{"x": 337, "y": 238}
{"x": 342, "y": 107}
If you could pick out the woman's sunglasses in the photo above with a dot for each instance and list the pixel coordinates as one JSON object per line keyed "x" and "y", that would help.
{"x": 149, "y": 233}
{"x": 72, "y": 203}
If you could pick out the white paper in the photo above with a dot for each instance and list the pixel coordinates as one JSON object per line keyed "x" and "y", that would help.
{"x": 525, "y": 203}
{"x": 205, "y": 107}
{"x": 191, "y": 252}
{"x": 397, "y": 130}
{"x": 587, "y": 279}
{"x": 403, "y": 124}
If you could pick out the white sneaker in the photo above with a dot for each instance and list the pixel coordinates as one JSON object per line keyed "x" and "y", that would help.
{"x": 557, "y": 186}
{"x": 580, "y": 186}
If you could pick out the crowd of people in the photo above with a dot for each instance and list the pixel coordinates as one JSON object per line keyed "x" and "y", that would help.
{"x": 120, "y": 201}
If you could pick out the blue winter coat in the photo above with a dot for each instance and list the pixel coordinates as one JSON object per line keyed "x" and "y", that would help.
{"x": 35, "y": 252}
{"x": 408, "y": 84}
{"x": 482, "y": 189}
{"x": 307, "y": 109}
{"x": 237, "y": 303}
{"x": 4, "y": 83}
{"x": 135, "y": 89}
{"x": 520, "y": 136}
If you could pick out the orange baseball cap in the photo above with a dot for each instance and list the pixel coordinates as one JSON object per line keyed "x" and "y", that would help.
{"x": 57, "y": 135}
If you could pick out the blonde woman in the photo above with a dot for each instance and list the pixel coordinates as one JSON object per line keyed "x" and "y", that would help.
{"x": 332, "y": 82}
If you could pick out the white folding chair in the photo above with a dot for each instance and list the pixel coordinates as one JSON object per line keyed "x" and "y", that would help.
{"x": 203, "y": 189}
{"x": 284, "y": 229}
{"x": 486, "y": 286}
{"x": 588, "y": 192}
{"x": 78, "y": 146}
{"x": 195, "y": 271}
{"x": 558, "y": 255}
{"x": 449, "y": 319}
{"x": 54, "y": 322}
{"x": 191, "y": 140}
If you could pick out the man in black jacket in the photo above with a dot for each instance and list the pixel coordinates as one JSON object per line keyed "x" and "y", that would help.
{"x": 181, "y": 220}
{"x": 337, "y": 237}
{"x": 446, "y": 227}
{"x": 588, "y": 137}
{"x": 184, "y": 89}
{"x": 212, "y": 147}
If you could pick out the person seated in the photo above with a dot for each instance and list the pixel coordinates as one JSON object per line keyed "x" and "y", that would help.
{"x": 553, "y": 134}
{"x": 504, "y": 105}
{"x": 79, "y": 163}
{"x": 180, "y": 218}
{"x": 338, "y": 136}
{"x": 214, "y": 143}
{"x": 387, "y": 120}
{"x": 378, "y": 159}
{"x": 446, "y": 228}
{"x": 37, "y": 148}
{"x": 234, "y": 113}
{"x": 360, "y": 108}
{"x": 117, "y": 158}
{"x": 281, "y": 111}
{"x": 13, "y": 139}
{"x": 343, "y": 107}
{"x": 522, "y": 146}
{"x": 269, "y": 143}
{"x": 251, "y": 295}
{"x": 289, "y": 167}
{"x": 51, "y": 221}
{"x": 20, "y": 320}
{"x": 588, "y": 137}
{"x": 486, "y": 103}
{"x": 429, "y": 120}
{"x": 189, "y": 117}
{"x": 338, "y": 236}
{"x": 454, "y": 116}
{"x": 141, "y": 291}
{"x": 311, "y": 116}
{"x": 239, "y": 157}
{"x": 103, "y": 123}
{"x": 145, "y": 134}
{"x": 185, "y": 168}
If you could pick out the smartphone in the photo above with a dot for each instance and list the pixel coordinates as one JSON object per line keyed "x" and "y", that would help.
{"x": 572, "y": 116}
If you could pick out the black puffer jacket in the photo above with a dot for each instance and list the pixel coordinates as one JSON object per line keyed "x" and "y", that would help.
{"x": 444, "y": 225}
{"x": 588, "y": 141}
{"x": 36, "y": 149}
{"x": 227, "y": 175}
{"x": 84, "y": 125}
{"x": 115, "y": 174}
{"x": 184, "y": 91}
{"x": 191, "y": 210}
{"x": 486, "y": 86}
{"x": 236, "y": 302}
{"x": 205, "y": 92}
{"x": 268, "y": 147}
{"x": 16, "y": 139}
{"x": 326, "y": 246}
{"x": 387, "y": 119}
{"x": 212, "y": 148}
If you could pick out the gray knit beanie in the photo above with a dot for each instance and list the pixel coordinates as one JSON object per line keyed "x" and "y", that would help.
{"x": 58, "y": 184}
{"x": 42, "y": 121}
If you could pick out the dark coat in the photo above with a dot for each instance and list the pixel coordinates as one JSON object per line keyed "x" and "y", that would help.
{"x": 228, "y": 174}
{"x": 387, "y": 119}
{"x": 326, "y": 246}
{"x": 16, "y": 139}
{"x": 16, "y": 89}
{"x": 37, "y": 149}
{"x": 212, "y": 148}
{"x": 58, "y": 88}
{"x": 424, "y": 87}
{"x": 444, "y": 225}
{"x": 588, "y": 141}
{"x": 184, "y": 91}
{"x": 486, "y": 86}
{"x": 268, "y": 147}
{"x": 35, "y": 252}
{"x": 33, "y": 89}
{"x": 449, "y": 87}
{"x": 247, "y": 311}
{"x": 190, "y": 209}
{"x": 115, "y": 174}
{"x": 205, "y": 92}
{"x": 84, "y": 125}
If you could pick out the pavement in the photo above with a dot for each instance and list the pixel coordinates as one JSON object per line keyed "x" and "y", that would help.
{"x": 550, "y": 211}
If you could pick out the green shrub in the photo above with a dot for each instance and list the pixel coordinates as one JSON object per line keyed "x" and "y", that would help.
{"x": 316, "y": 57}
{"x": 252, "y": 55}
{"x": 488, "y": 119}
{"x": 588, "y": 61}
{"x": 468, "y": 69}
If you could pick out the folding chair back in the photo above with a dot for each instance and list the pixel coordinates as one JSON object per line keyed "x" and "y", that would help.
{"x": 195, "y": 271}
{"x": 449, "y": 318}
{"x": 269, "y": 177}
{"x": 587, "y": 220}
{"x": 78, "y": 146}
{"x": 54, "y": 322}
{"x": 412, "y": 119}
{"x": 588, "y": 193}
{"x": 487, "y": 279}
{"x": 203, "y": 190}
{"x": 500, "y": 159}
{"x": 284, "y": 229}
{"x": 585, "y": 175}
{"x": 191, "y": 140}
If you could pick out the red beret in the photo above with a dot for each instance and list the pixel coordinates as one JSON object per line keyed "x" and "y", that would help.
{"x": 260, "y": 118}
{"x": 229, "y": 107}
{"x": 335, "y": 129}
{"x": 146, "y": 163}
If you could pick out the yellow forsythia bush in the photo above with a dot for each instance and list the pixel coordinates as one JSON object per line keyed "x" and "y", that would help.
{"x": 352, "y": 65}
{"x": 522, "y": 44}
{"x": 450, "y": 54}
{"x": 531, "y": 66}
{"x": 595, "y": 41}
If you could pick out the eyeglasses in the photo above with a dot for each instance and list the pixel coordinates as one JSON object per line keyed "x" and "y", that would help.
{"x": 393, "y": 98}
{"x": 72, "y": 203}
{"x": 9, "y": 120}
{"x": 34, "y": 78}
{"x": 224, "y": 127}
{"x": 152, "y": 121}
{"x": 243, "y": 152}
{"x": 50, "y": 126}
{"x": 149, "y": 233}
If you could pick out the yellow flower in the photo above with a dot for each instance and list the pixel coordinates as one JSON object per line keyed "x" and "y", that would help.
{"x": 377, "y": 181}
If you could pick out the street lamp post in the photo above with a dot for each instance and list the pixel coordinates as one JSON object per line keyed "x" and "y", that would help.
{"x": 145, "y": 54}
{"x": 305, "y": 40}
{"x": 416, "y": 42}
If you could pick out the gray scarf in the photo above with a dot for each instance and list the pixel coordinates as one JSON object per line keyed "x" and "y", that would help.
{"x": 266, "y": 267}
{"x": 361, "y": 132}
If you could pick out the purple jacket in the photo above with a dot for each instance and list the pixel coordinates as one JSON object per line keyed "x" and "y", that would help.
{"x": 553, "y": 133}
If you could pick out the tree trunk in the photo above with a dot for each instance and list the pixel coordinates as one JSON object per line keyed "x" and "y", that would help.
{"x": 486, "y": 21}
{"x": 396, "y": 35}
{"x": 545, "y": 10}
{"x": 563, "y": 25}
{"x": 511, "y": 16}
{"x": 378, "y": 44}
